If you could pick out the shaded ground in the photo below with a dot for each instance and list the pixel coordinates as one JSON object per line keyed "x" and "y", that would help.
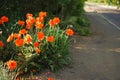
{"x": 95, "y": 57}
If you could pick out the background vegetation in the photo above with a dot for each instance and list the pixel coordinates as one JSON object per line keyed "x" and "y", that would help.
{"x": 71, "y": 14}
{"x": 109, "y": 2}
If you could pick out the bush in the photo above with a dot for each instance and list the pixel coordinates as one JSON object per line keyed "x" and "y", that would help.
{"x": 65, "y": 9}
{"x": 61, "y": 8}
{"x": 79, "y": 24}
{"x": 36, "y": 44}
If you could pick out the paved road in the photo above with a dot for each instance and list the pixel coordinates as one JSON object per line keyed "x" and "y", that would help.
{"x": 95, "y": 57}
{"x": 110, "y": 13}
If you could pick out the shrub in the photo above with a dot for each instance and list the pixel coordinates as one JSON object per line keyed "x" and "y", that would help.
{"x": 79, "y": 24}
{"x": 37, "y": 44}
{"x": 61, "y": 8}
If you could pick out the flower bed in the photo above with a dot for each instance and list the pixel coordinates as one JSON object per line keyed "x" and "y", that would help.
{"x": 33, "y": 45}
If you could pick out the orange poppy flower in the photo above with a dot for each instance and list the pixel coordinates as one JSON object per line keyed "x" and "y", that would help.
{"x": 4, "y": 19}
{"x": 30, "y": 22}
{"x": 51, "y": 23}
{"x": 37, "y": 50}
{"x": 11, "y": 64}
{"x": 28, "y": 26}
{"x": 69, "y": 32}
{"x": 17, "y": 36}
{"x": 50, "y": 79}
{"x": 50, "y": 38}
{"x": 56, "y": 20}
{"x": 10, "y": 38}
{"x": 23, "y": 31}
{"x": 28, "y": 15}
{"x": 21, "y": 23}
{"x": 39, "y": 25}
{"x": 1, "y": 44}
{"x": 39, "y": 19}
{"x": 42, "y": 14}
{"x": 40, "y": 35}
{"x": 19, "y": 42}
{"x": 36, "y": 44}
{"x": 27, "y": 39}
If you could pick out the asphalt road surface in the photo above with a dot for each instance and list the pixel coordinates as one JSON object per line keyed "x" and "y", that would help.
{"x": 96, "y": 57}
{"x": 109, "y": 13}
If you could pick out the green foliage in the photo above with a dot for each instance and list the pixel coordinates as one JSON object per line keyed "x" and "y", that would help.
{"x": 98, "y": 1}
{"x": 79, "y": 24}
{"x": 6, "y": 29}
{"x": 84, "y": 31}
{"x": 109, "y": 2}
{"x": 61, "y": 8}
{"x": 65, "y": 9}
{"x": 83, "y": 21}
{"x": 3, "y": 72}
{"x": 52, "y": 55}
